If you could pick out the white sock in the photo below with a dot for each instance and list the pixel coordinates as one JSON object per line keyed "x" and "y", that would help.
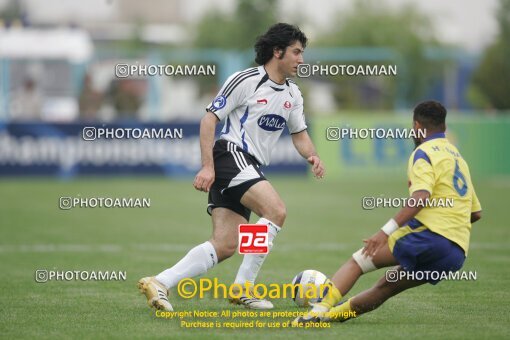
{"x": 250, "y": 267}
{"x": 197, "y": 261}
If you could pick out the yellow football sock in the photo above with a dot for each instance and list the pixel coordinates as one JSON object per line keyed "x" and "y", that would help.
{"x": 342, "y": 312}
{"x": 333, "y": 296}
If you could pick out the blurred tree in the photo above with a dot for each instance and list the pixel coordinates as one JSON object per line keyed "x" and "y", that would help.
{"x": 490, "y": 85}
{"x": 234, "y": 31}
{"x": 11, "y": 12}
{"x": 373, "y": 24}
{"x": 239, "y": 30}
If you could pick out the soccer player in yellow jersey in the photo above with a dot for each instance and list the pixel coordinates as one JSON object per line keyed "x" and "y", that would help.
{"x": 426, "y": 239}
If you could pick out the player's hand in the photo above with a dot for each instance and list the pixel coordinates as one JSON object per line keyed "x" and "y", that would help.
{"x": 317, "y": 166}
{"x": 204, "y": 179}
{"x": 374, "y": 243}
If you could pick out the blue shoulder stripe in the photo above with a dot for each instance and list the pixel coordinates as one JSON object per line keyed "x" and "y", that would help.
{"x": 420, "y": 154}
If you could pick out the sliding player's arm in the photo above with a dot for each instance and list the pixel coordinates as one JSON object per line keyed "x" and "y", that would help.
{"x": 205, "y": 177}
{"x": 422, "y": 179}
{"x": 405, "y": 214}
{"x": 306, "y": 149}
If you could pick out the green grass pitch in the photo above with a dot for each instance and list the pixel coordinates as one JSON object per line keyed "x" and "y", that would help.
{"x": 325, "y": 225}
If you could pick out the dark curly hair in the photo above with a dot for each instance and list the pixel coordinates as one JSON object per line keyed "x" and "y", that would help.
{"x": 431, "y": 114}
{"x": 278, "y": 36}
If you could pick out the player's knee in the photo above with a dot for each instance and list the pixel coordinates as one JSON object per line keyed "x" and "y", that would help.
{"x": 281, "y": 214}
{"x": 224, "y": 250}
{"x": 365, "y": 263}
{"x": 277, "y": 214}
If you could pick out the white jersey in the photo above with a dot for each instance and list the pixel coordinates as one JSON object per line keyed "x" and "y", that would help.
{"x": 257, "y": 110}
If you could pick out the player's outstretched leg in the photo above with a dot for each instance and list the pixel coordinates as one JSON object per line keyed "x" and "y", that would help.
{"x": 370, "y": 299}
{"x": 262, "y": 199}
{"x": 197, "y": 261}
{"x": 344, "y": 279}
{"x": 248, "y": 272}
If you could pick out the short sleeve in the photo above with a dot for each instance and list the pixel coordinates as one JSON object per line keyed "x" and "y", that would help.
{"x": 421, "y": 172}
{"x": 475, "y": 206}
{"x": 230, "y": 97}
{"x": 297, "y": 122}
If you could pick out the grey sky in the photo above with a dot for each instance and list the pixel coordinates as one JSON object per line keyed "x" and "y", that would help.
{"x": 467, "y": 23}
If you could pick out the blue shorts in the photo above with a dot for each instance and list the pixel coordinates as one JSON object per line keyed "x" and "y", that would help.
{"x": 419, "y": 249}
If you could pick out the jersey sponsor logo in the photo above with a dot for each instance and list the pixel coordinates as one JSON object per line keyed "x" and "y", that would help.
{"x": 287, "y": 105}
{"x": 219, "y": 102}
{"x": 262, "y": 101}
{"x": 271, "y": 122}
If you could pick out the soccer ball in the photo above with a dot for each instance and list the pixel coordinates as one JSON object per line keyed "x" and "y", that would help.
{"x": 307, "y": 287}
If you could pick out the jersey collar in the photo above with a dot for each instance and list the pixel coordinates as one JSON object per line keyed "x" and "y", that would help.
{"x": 271, "y": 82}
{"x": 435, "y": 135}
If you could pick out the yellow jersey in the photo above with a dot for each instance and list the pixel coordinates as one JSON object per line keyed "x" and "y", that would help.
{"x": 437, "y": 167}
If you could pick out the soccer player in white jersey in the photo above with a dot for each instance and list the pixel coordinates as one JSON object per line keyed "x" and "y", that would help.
{"x": 255, "y": 105}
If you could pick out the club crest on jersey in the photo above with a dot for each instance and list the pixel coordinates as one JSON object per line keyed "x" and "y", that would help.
{"x": 272, "y": 122}
{"x": 219, "y": 102}
{"x": 287, "y": 105}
